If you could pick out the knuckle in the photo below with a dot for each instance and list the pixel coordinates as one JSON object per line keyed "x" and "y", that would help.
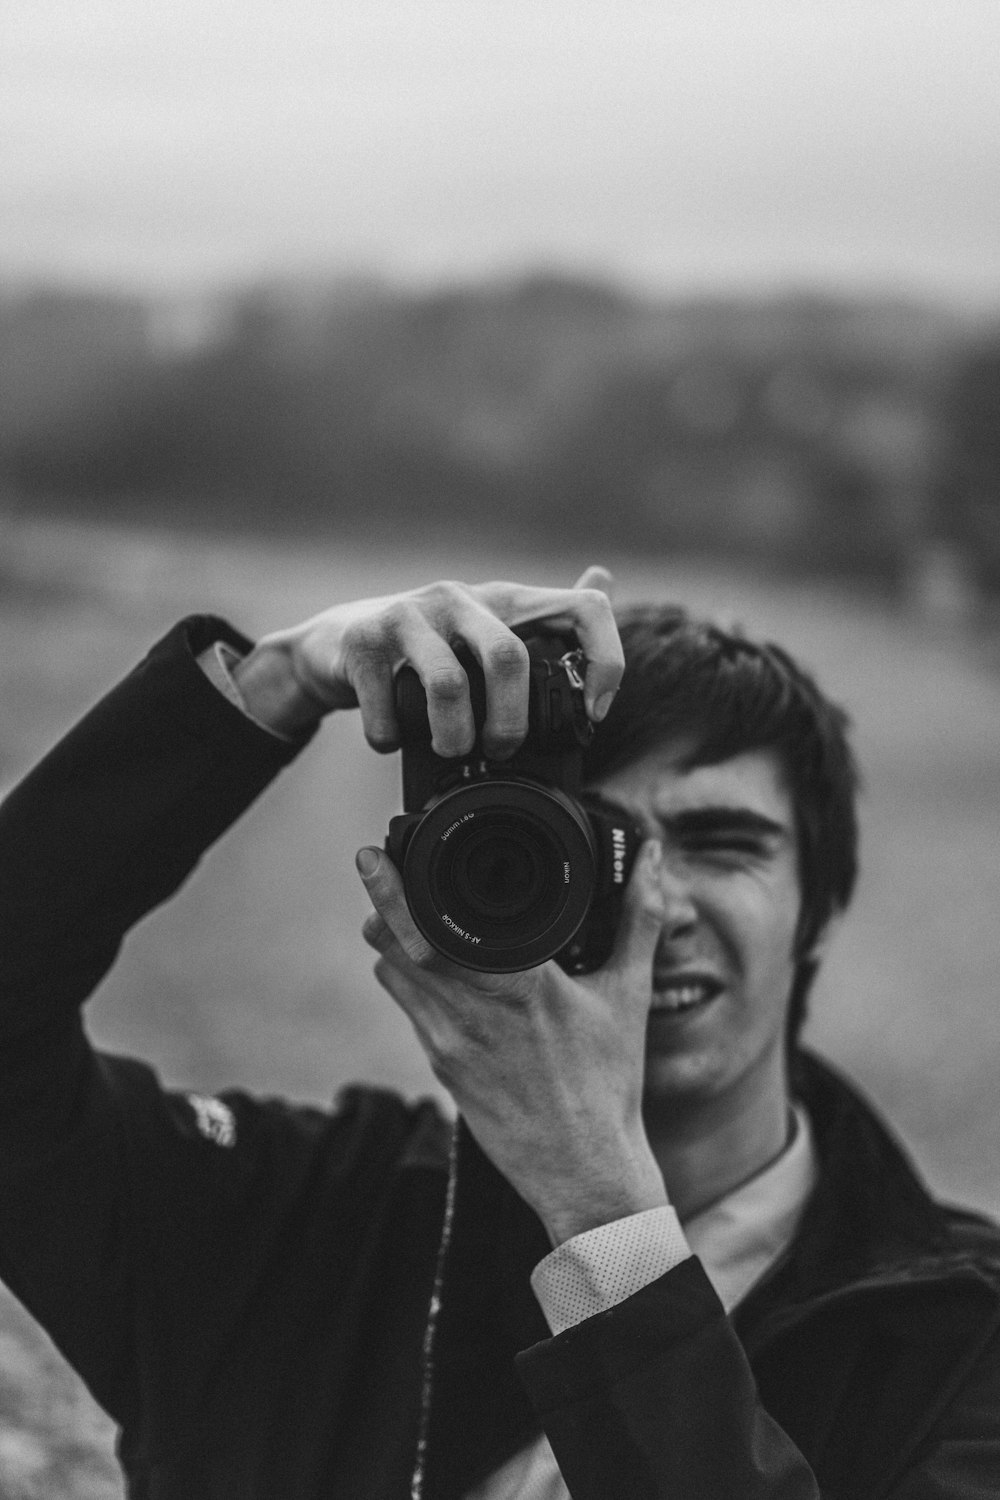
{"x": 506, "y": 657}
{"x": 453, "y": 1047}
{"x": 654, "y": 905}
{"x": 440, "y": 1052}
{"x": 499, "y": 598}
{"x": 372, "y": 929}
{"x": 382, "y": 970}
{"x": 399, "y": 615}
{"x": 594, "y": 604}
{"x": 440, "y": 1065}
{"x": 651, "y": 903}
{"x": 440, "y": 598}
{"x": 420, "y": 952}
{"x": 368, "y": 642}
{"x": 446, "y": 684}
{"x": 471, "y": 1033}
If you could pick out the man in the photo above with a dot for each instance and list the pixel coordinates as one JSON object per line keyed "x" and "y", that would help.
{"x": 664, "y": 1253}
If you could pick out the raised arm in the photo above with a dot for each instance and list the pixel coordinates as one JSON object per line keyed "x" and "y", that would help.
{"x": 118, "y": 1231}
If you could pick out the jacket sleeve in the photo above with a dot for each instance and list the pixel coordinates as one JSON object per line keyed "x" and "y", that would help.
{"x": 655, "y": 1399}
{"x": 105, "y": 828}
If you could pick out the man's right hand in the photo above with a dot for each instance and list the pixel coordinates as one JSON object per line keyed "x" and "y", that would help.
{"x": 348, "y": 656}
{"x": 546, "y": 1068}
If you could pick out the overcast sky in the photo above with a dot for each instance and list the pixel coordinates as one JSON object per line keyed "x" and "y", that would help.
{"x": 684, "y": 143}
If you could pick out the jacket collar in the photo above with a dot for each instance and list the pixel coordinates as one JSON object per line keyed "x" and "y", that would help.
{"x": 870, "y": 1210}
{"x": 871, "y": 1220}
{"x": 867, "y": 1331}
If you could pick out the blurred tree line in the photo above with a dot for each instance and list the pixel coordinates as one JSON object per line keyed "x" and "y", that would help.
{"x": 809, "y": 432}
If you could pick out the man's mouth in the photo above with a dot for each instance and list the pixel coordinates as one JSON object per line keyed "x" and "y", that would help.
{"x": 674, "y": 993}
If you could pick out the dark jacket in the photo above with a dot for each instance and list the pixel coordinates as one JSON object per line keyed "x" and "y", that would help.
{"x": 247, "y": 1292}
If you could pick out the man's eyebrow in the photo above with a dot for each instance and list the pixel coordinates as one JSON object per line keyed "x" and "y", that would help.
{"x": 719, "y": 819}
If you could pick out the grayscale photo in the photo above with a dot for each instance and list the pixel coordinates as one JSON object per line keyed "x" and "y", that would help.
{"x": 500, "y": 750}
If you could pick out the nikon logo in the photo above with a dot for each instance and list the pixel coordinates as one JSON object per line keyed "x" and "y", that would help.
{"x": 458, "y": 931}
{"x": 618, "y": 855}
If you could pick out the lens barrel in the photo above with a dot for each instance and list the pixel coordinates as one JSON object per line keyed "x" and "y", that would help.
{"x": 500, "y": 874}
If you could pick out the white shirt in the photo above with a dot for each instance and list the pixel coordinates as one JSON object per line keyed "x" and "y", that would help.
{"x": 737, "y": 1240}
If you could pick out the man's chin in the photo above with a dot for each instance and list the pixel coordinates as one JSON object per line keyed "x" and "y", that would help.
{"x": 679, "y": 1077}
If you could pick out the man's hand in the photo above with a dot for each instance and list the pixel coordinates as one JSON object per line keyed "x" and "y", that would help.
{"x": 547, "y": 1070}
{"x": 348, "y": 656}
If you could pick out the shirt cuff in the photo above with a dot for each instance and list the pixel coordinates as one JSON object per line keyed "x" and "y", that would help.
{"x": 217, "y": 663}
{"x": 598, "y": 1269}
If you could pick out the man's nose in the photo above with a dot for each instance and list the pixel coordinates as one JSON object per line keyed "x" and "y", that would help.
{"x": 678, "y": 898}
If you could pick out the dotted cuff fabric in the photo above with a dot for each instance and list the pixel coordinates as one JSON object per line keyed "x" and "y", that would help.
{"x": 598, "y": 1269}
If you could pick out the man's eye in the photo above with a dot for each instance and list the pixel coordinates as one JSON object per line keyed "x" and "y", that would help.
{"x": 725, "y": 845}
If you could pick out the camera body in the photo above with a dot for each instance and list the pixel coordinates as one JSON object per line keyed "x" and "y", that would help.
{"x": 507, "y": 863}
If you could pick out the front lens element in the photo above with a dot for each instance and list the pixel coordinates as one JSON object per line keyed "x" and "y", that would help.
{"x": 499, "y": 872}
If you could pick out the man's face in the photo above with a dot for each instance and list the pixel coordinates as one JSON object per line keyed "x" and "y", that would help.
{"x": 722, "y": 973}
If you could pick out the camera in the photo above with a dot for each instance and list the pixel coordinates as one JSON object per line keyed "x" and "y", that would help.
{"x": 508, "y": 863}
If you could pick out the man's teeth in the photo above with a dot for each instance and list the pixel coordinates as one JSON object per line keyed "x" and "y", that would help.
{"x": 681, "y": 996}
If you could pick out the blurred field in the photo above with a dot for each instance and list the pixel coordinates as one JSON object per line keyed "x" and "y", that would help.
{"x": 257, "y": 973}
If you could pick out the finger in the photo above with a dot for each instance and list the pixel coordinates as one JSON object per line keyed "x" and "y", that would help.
{"x": 392, "y": 959}
{"x": 449, "y": 707}
{"x": 505, "y": 667}
{"x": 376, "y": 933}
{"x": 376, "y": 694}
{"x": 504, "y": 660}
{"x": 642, "y": 919}
{"x": 379, "y": 935}
{"x": 596, "y": 577}
{"x": 585, "y": 610}
{"x": 394, "y": 968}
{"x": 395, "y": 981}
{"x": 419, "y": 1007}
{"x": 385, "y": 890}
{"x": 597, "y": 631}
{"x": 368, "y": 668}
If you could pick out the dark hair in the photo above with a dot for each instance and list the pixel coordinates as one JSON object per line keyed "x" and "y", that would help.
{"x": 692, "y": 683}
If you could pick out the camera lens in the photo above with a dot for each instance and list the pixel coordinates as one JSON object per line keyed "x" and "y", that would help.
{"x": 500, "y": 875}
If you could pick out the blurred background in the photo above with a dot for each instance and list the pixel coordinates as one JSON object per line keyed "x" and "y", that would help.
{"x": 308, "y": 301}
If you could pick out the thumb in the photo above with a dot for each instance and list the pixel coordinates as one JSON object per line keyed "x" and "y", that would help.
{"x": 643, "y": 914}
{"x": 385, "y": 889}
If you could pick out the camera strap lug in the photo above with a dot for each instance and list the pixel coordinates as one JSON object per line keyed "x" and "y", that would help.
{"x": 571, "y": 664}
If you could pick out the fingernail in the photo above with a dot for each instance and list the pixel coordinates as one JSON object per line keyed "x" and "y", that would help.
{"x": 601, "y": 706}
{"x": 367, "y": 862}
{"x": 654, "y": 853}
